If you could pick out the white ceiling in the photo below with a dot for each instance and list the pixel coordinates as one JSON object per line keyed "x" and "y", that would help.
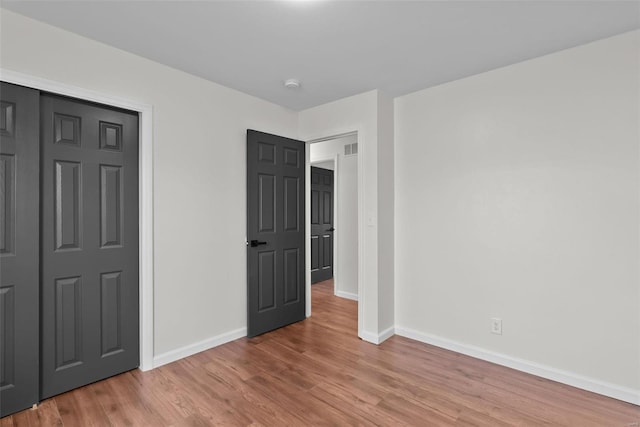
{"x": 336, "y": 48}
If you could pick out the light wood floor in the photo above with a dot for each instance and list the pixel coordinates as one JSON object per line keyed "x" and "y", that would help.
{"x": 318, "y": 372}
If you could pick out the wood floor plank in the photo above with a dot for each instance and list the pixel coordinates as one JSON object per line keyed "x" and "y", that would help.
{"x": 48, "y": 414}
{"x": 27, "y": 418}
{"x": 414, "y": 414}
{"x": 272, "y": 387}
{"x": 204, "y": 398}
{"x": 81, "y": 408}
{"x": 366, "y": 410}
{"x": 318, "y": 372}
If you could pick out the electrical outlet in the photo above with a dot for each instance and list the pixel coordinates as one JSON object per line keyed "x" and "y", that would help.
{"x": 496, "y": 326}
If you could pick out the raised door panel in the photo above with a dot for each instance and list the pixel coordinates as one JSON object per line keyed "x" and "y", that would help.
{"x": 67, "y": 209}
{"x": 110, "y": 136}
{"x": 266, "y": 280}
{"x": 111, "y": 309}
{"x": 66, "y": 129}
{"x": 291, "y": 157}
{"x": 267, "y": 153}
{"x": 315, "y": 207}
{"x": 7, "y": 118}
{"x": 327, "y": 251}
{"x": 7, "y": 337}
{"x": 68, "y": 322}
{"x": 315, "y": 253}
{"x": 267, "y": 203}
{"x": 8, "y": 208}
{"x": 291, "y": 209}
{"x": 327, "y": 208}
{"x": 111, "y": 206}
{"x": 291, "y": 275}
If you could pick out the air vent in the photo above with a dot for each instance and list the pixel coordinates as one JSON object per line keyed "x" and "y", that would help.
{"x": 351, "y": 149}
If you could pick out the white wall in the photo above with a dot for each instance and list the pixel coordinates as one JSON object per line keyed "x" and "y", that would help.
{"x": 386, "y": 216}
{"x": 346, "y": 197}
{"x": 517, "y": 196}
{"x": 199, "y": 147}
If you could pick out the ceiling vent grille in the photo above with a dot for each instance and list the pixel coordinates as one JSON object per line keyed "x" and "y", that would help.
{"x": 351, "y": 149}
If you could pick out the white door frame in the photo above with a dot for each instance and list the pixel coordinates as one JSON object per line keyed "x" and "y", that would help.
{"x": 145, "y": 190}
{"x": 336, "y": 236}
{"x": 329, "y": 135}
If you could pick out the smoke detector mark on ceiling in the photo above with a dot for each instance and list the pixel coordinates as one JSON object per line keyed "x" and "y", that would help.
{"x": 292, "y": 84}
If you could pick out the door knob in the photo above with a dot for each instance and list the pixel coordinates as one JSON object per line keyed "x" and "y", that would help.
{"x": 255, "y": 243}
{"x": 331, "y": 229}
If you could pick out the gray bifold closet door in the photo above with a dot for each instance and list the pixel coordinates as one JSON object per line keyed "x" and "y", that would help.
{"x": 68, "y": 245}
{"x": 19, "y": 247}
{"x": 89, "y": 243}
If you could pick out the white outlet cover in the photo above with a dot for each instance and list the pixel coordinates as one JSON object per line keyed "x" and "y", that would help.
{"x": 496, "y": 326}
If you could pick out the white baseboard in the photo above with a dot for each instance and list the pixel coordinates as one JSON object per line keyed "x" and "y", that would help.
{"x": 378, "y": 338}
{"x": 191, "y": 349}
{"x": 386, "y": 334}
{"x": 596, "y": 386}
{"x": 369, "y": 337}
{"x": 347, "y": 295}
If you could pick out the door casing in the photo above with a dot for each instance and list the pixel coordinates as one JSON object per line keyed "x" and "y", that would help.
{"x": 145, "y": 191}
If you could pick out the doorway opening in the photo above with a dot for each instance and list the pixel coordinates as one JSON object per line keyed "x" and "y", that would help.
{"x": 333, "y": 180}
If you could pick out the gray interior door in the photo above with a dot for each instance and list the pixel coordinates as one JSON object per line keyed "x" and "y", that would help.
{"x": 275, "y": 232}
{"x": 89, "y": 243}
{"x": 19, "y": 246}
{"x": 321, "y": 224}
